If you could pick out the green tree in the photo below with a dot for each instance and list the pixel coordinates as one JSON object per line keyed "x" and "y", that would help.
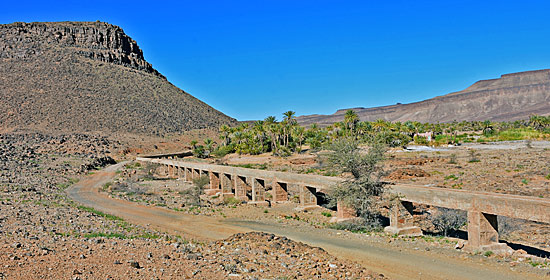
{"x": 225, "y": 130}
{"x": 362, "y": 191}
{"x": 298, "y": 134}
{"x": 209, "y": 145}
{"x": 193, "y": 144}
{"x": 288, "y": 123}
{"x": 350, "y": 121}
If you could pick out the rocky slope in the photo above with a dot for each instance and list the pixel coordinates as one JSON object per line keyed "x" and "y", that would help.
{"x": 89, "y": 76}
{"x": 511, "y": 97}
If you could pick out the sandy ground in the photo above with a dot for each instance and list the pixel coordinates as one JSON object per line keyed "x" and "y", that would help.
{"x": 397, "y": 258}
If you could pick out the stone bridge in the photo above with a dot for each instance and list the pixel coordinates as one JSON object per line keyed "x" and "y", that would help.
{"x": 265, "y": 187}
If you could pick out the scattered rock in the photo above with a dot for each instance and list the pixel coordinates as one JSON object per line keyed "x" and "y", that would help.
{"x": 134, "y": 264}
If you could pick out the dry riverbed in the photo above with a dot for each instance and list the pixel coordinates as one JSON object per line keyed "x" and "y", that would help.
{"x": 46, "y": 235}
{"x": 148, "y": 185}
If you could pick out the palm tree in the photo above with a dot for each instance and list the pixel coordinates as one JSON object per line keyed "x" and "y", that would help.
{"x": 194, "y": 144}
{"x": 298, "y": 134}
{"x": 350, "y": 120}
{"x": 363, "y": 127}
{"x": 270, "y": 126}
{"x": 487, "y": 127}
{"x": 270, "y": 120}
{"x": 209, "y": 144}
{"x": 409, "y": 128}
{"x": 288, "y": 122}
{"x": 259, "y": 131}
{"x": 275, "y": 131}
{"x": 380, "y": 125}
{"x": 539, "y": 122}
{"x": 225, "y": 130}
{"x": 289, "y": 115}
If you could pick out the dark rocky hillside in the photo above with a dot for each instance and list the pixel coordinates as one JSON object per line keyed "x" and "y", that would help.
{"x": 89, "y": 76}
{"x": 511, "y": 97}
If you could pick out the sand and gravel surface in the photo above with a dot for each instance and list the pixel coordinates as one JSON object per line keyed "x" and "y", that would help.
{"x": 399, "y": 258}
{"x": 44, "y": 234}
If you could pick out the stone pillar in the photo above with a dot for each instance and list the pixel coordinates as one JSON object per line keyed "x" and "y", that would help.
{"x": 178, "y": 171}
{"x": 258, "y": 192}
{"x": 240, "y": 186}
{"x": 308, "y": 196}
{"x": 483, "y": 232}
{"x": 188, "y": 175}
{"x": 170, "y": 171}
{"x": 401, "y": 220}
{"x": 280, "y": 192}
{"x": 214, "y": 183}
{"x": 227, "y": 184}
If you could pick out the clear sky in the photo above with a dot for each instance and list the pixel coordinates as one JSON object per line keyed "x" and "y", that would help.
{"x": 251, "y": 59}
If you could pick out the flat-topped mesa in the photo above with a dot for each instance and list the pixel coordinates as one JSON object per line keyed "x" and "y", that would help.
{"x": 514, "y": 96}
{"x": 527, "y": 78}
{"x": 95, "y": 40}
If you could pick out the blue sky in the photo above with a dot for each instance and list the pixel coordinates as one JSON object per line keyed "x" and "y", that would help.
{"x": 251, "y": 59}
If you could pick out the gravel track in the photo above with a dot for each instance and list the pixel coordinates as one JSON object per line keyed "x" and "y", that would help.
{"x": 398, "y": 264}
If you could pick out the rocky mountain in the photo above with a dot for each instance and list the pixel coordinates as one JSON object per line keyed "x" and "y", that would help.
{"x": 510, "y": 97}
{"x": 89, "y": 76}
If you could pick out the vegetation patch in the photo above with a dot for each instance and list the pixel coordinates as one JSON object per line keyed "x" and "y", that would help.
{"x": 448, "y": 221}
{"x": 99, "y": 213}
{"x": 326, "y": 214}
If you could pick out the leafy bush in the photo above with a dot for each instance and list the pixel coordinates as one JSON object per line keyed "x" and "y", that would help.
{"x": 193, "y": 194}
{"x": 222, "y": 151}
{"x": 488, "y": 253}
{"x": 452, "y": 159}
{"x": 99, "y": 213}
{"x": 355, "y": 225}
{"x": 392, "y": 139}
{"x": 363, "y": 191}
{"x": 200, "y": 152}
{"x": 473, "y": 155}
{"x": 149, "y": 171}
{"x": 282, "y": 151}
{"x": 135, "y": 165}
{"x": 448, "y": 221}
{"x": 231, "y": 201}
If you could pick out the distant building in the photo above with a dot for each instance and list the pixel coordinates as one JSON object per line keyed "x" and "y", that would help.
{"x": 427, "y": 135}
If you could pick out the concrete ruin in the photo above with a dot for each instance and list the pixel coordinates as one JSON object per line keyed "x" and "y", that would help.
{"x": 266, "y": 187}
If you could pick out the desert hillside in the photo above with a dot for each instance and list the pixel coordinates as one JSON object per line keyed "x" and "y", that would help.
{"x": 511, "y": 97}
{"x": 89, "y": 76}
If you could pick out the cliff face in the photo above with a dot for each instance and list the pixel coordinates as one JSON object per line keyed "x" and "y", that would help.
{"x": 89, "y": 76}
{"x": 511, "y": 97}
{"x": 95, "y": 40}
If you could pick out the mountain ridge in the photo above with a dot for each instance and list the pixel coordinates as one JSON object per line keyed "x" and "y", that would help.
{"x": 512, "y": 96}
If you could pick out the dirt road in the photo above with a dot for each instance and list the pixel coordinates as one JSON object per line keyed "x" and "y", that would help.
{"x": 196, "y": 227}
{"x": 396, "y": 263}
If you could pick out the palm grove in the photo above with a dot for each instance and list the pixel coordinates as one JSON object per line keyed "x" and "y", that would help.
{"x": 282, "y": 138}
